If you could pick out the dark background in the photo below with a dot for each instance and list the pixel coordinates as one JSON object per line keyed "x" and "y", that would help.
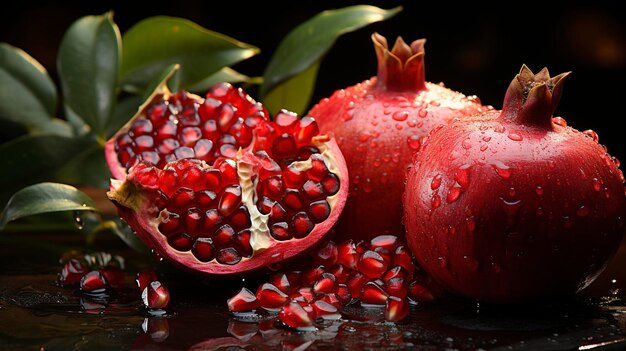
{"x": 472, "y": 49}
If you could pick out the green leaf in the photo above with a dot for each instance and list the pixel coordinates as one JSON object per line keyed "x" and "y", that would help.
{"x": 155, "y": 43}
{"x": 44, "y": 198}
{"x": 124, "y": 110}
{"x": 226, "y": 74}
{"x": 33, "y": 158}
{"x": 27, "y": 94}
{"x": 88, "y": 63}
{"x": 306, "y": 44}
{"x": 87, "y": 168}
{"x": 294, "y": 94}
{"x": 126, "y": 234}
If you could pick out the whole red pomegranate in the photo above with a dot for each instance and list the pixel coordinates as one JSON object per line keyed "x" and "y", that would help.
{"x": 379, "y": 124}
{"x": 213, "y": 186}
{"x": 514, "y": 205}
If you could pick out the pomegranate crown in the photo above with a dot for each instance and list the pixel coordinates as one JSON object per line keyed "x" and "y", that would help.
{"x": 402, "y": 68}
{"x": 531, "y": 99}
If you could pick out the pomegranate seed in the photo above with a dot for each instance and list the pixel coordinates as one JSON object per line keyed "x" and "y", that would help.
{"x": 396, "y": 287}
{"x": 295, "y": 278}
{"x": 372, "y": 264}
{"x": 284, "y": 146}
{"x": 270, "y": 297}
{"x": 293, "y": 177}
{"x": 301, "y": 224}
{"x": 181, "y": 241}
{"x": 114, "y": 277}
{"x": 144, "y": 143}
{"x": 286, "y": 120}
{"x": 325, "y": 284}
{"x": 168, "y": 181}
{"x": 343, "y": 294}
{"x": 72, "y": 272}
{"x": 319, "y": 211}
{"x": 281, "y": 281}
{"x": 155, "y": 295}
{"x": 213, "y": 178}
{"x": 330, "y": 183}
{"x": 203, "y": 249}
{"x": 226, "y": 117}
{"x": 385, "y": 254}
{"x": 293, "y": 200}
{"x": 151, "y": 157}
{"x": 402, "y": 257}
{"x": 327, "y": 254}
{"x": 157, "y": 112}
{"x": 388, "y": 242}
{"x": 193, "y": 221}
{"x": 273, "y": 187}
{"x": 332, "y": 299}
{"x": 182, "y": 198}
{"x": 307, "y": 129}
{"x": 396, "y": 309}
{"x": 313, "y": 274}
{"x": 244, "y": 300}
{"x": 309, "y": 310}
{"x": 394, "y": 272}
{"x": 228, "y": 256}
{"x": 193, "y": 177}
{"x": 419, "y": 293}
{"x": 184, "y": 152}
{"x": 313, "y": 190}
{"x": 280, "y": 231}
{"x": 141, "y": 126}
{"x": 224, "y": 235}
{"x": 355, "y": 283}
{"x": 170, "y": 224}
{"x": 340, "y": 272}
{"x": 269, "y": 167}
{"x": 205, "y": 198}
{"x": 243, "y": 239}
{"x": 318, "y": 169}
{"x": 166, "y": 130}
{"x": 294, "y": 315}
{"x": 277, "y": 213}
{"x": 189, "y": 135}
{"x": 325, "y": 310}
{"x": 209, "y": 130}
{"x": 230, "y": 200}
{"x": 212, "y": 218}
{"x": 123, "y": 141}
{"x": 93, "y": 282}
{"x": 347, "y": 254}
{"x": 144, "y": 278}
{"x": 307, "y": 293}
{"x": 305, "y": 152}
{"x": 373, "y": 294}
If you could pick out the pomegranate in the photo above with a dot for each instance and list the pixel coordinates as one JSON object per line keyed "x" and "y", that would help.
{"x": 379, "y": 124}
{"x": 514, "y": 205}
{"x": 212, "y": 186}
{"x": 300, "y": 296}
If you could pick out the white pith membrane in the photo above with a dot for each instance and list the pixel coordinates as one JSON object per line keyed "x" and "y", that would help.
{"x": 133, "y": 195}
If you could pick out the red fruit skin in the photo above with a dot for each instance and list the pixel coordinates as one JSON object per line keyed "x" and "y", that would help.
{"x": 512, "y": 207}
{"x": 378, "y": 125}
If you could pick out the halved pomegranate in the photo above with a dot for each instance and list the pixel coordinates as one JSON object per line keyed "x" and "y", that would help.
{"x": 213, "y": 186}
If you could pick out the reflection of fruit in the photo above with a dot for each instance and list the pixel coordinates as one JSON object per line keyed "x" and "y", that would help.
{"x": 514, "y": 205}
{"x": 213, "y": 186}
{"x": 379, "y": 124}
{"x": 370, "y": 273}
{"x": 157, "y": 328}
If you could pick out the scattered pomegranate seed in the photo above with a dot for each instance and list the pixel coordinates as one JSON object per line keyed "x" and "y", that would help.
{"x": 244, "y": 300}
{"x": 155, "y": 295}
{"x": 295, "y": 316}
{"x": 93, "y": 282}
{"x": 114, "y": 277}
{"x": 396, "y": 309}
{"x": 373, "y": 294}
{"x": 72, "y": 272}
{"x": 270, "y": 297}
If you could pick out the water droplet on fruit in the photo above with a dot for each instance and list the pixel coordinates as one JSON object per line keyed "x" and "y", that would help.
{"x": 367, "y": 186}
{"x": 502, "y": 170}
{"x": 411, "y": 123}
{"x": 539, "y": 190}
{"x": 486, "y": 139}
{"x": 422, "y": 113}
{"x": 363, "y": 138}
{"x": 414, "y": 142}
{"x": 467, "y": 143}
{"x": 539, "y": 210}
{"x": 443, "y": 263}
{"x": 511, "y": 208}
{"x": 461, "y": 176}
{"x": 515, "y": 137}
{"x": 471, "y": 263}
{"x": 400, "y": 116}
{"x": 453, "y": 194}
{"x": 559, "y": 121}
{"x": 471, "y": 223}
{"x": 593, "y": 135}
{"x": 78, "y": 220}
{"x": 436, "y": 201}
{"x": 567, "y": 222}
{"x": 551, "y": 164}
{"x": 436, "y": 183}
{"x": 399, "y": 126}
{"x": 483, "y": 147}
{"x": 606, "y": 193}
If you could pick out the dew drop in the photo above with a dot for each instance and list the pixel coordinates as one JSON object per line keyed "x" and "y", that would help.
{"x": 607, "y": 194}
{"x": 471, "y": 263}
{"x": 539, "y": 190}
{"x": 593, "y": 135}
{"x": 453, "y": 194}
{"x": 467, "y": 144}
{"x": 511, "y": 209}
{"x": 511, "y": 191}
{"x": 559, "y": 121}
{"x": 399, "y": 126}
{"x": 414, "y": 142}
{"x": 539, "y": 211}
{"x": 486, "y": 139}
{"x": 496, "y": 267}
{"x": 502, "y": 170}
{"x": 551, "y": 164}
{"x": 411, "y": 123}
{"x": 400, "y": 116}
{"x": 471, "y": 223}
{"x": 567, "y": 222}
{"x": 583, "y": 211}
{"x": 515, "y": 137}
{"x": 436, "y": 183}
{"x": 484, "y": 147}
{"x": 422, "y": 113}
{"x": 461, "y": 176}
{"x": 367, "y": 186}
{"x": 363, "y": 138}
{"x": 436, "y": 202}
{"x": 443, "y": 263}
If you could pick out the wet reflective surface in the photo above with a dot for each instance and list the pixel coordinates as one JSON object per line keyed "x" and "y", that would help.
{"x": 36, "y": 313}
